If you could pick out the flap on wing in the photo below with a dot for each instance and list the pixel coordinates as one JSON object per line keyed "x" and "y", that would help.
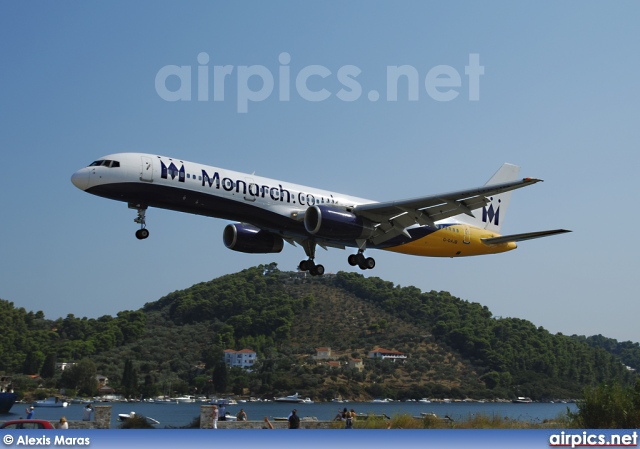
{"x": 522, "y": 237}
{"x": 394, "y": 216}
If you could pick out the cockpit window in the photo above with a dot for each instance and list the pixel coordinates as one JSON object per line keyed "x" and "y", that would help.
{"x": 105, "y": 163}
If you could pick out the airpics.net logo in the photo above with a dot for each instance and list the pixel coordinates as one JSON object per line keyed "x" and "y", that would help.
{"x": 314, "y": 83}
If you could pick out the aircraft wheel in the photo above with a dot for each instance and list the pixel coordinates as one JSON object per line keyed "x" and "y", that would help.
{"x": 317, "y": 270}
{"x": 353, "y": 260}
{"x": 367, "y": 264}
{"x": 142, "y": 234}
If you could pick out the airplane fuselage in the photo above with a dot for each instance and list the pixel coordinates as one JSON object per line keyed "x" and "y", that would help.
{"x": 278, "y": 209}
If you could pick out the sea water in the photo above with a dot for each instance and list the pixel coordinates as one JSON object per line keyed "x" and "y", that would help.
{"x": 182, "y": 414}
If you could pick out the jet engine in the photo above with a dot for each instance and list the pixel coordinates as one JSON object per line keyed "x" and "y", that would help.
{"x": 330, "y": 222}
{"x": 249, "y": 239}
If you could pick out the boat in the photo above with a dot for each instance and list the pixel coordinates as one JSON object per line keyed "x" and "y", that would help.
{"x": 425, "y": 401}
{"x": 125, "y": 416}
{"x": 429, "y": 415}
{"x": 306, "y": 401}
{"x": 229, "y": 417}
{"x": 293, "y": 399}
{"x": 223, "y": 402}
{"x": 162, "y": 400}
{"x": 522, "y": 400}
{"x": 6, "y": 401}
{"x": 184, "y": 399}
{"x": 7, "y": 396}
{"x": 53, "y": 401}
{"x": 380, "y": 401}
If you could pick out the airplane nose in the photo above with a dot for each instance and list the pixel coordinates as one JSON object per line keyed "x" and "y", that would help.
{"x": 80, "y": 179}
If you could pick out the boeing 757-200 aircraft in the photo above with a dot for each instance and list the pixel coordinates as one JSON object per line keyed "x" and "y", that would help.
{"x": 269, "y": 212}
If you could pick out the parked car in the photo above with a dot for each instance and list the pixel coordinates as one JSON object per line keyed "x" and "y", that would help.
{"x": 27, "y": 424}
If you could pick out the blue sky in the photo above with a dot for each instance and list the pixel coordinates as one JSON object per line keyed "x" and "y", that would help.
{"x": 559, "y": 96}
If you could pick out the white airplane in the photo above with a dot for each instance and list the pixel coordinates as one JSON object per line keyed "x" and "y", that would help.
{"x": 270, "y": 212}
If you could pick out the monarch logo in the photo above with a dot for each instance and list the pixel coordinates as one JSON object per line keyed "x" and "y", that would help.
{"x": 172, "y": 171}
{"x": 491, "y": 215}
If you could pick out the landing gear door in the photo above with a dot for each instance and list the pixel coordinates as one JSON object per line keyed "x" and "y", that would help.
{"x": 252, "y": 187}
{"x": 146, "y": 171}
{"x": 467, "y": 235}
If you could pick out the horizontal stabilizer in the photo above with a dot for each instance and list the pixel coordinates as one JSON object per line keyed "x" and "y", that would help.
{"x": 521, "y": 237}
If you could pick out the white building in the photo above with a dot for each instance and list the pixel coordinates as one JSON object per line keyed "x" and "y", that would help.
{"x": 323, "y": 353}
{"x": 244, "y": 358}
{"x": 386, "y": 354}
{"x": 64, "y": 365}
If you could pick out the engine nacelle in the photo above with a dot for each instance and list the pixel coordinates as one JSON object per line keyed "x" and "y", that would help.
{"x": 249, "y": 239}
{"x": 330, "y": 222}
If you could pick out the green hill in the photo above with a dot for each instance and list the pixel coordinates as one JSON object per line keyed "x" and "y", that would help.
{"x": 454, "y": 348}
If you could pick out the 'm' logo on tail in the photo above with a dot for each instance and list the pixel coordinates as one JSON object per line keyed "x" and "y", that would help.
{"x": 491, "y": 215}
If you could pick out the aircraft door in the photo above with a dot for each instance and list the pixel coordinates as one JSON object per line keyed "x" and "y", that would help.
{"x": 251, "y": 187}
{"x": 146, "y": 169}
{"x": 467, "y": 235}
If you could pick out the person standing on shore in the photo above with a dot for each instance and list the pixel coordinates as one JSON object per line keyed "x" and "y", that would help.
{"x": 86, "y": 413}
{"x": 351, "y": 416}
{"x": 215, "y": 416}
{"x": 267, "y": 423}
{"x": 294, "y": 420}
{"x": 29, "y": 411}
{"x": 63, "y": 424}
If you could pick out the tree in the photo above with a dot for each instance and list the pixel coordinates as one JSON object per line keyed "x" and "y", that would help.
{"x": 220, "y": 377}
{"x": 48, "y": 369}
{"x": 33, "y": 362}
{"x": 129, "y": 379}
{"x": 82, "y": 377}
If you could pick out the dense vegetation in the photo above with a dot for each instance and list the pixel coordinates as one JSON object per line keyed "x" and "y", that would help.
{"x": 455, "y": 348}
{"x": 609, "y": 406}
{"x": 627, "y": 351}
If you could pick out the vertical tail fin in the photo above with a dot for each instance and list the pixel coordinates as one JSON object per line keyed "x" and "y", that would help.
{"x": 492, "y": 215}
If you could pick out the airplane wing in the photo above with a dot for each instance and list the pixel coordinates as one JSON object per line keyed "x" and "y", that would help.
{"x": 394, "y": 217}
{"x": 522, "y": 237}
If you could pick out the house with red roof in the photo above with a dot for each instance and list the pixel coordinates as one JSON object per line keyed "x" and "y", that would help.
{"x": 245, "y": 358}
{"x": 386, "y": 354}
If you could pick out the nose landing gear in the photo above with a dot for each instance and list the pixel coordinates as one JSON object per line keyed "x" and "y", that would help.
{"x": 143, "y": 232}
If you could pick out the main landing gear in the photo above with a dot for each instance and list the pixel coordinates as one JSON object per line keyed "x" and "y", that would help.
{"x": 143, "y": 232}
{"x": 365, "y": 263}
{"x": 309, "y": 265}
